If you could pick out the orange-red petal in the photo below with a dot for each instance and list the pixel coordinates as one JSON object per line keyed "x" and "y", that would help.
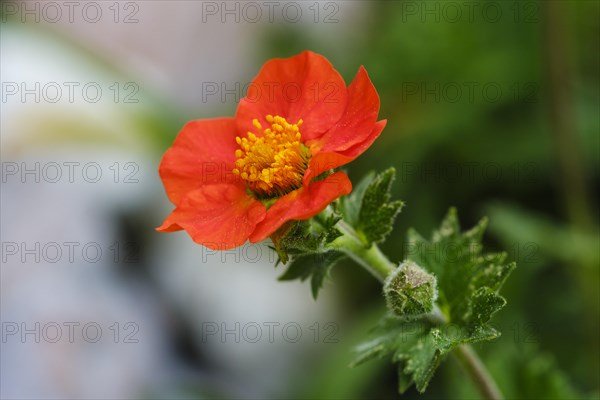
{"x": 361, "y": 147}
{"x": 358, "y": 119}
{"x": 324, "y": 161}
{"x": 301, "y": 204}
{"x": 304, "y": 87}
{"x": 218, "y": 216}
{"x": 203, "y": 153}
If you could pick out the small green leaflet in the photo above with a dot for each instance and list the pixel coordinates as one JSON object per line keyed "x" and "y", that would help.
{"x": 368, "y": 208}
{"x": 316, "y": 266}
{"x": 468, "y": 280}
{"x": 468, "y": 284}
{"x": 410, "y": 343}
{"x": 305, "y": 243}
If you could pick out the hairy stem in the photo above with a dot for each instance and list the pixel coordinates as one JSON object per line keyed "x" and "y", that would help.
{"x": 477, "y": 371}
{"x": 374, "y": 261}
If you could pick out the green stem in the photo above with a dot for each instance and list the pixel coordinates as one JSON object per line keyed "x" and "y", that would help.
{"x": 478, "y": 373}
{"x": 374, "y": 261}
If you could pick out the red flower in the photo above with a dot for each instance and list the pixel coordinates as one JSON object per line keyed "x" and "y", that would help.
{"x": 234, "y": 179}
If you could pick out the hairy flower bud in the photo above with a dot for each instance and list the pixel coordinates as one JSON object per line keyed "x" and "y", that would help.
{"x": 410, "y": 290}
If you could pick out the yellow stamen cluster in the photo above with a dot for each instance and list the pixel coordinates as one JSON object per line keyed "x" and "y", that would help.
{"x": 273, "y": 160}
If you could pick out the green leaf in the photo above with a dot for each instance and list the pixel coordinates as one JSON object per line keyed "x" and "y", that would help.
{"x": 420, "y": 360}
{"x": 314, "y": 266}
{"x": 305, "y": 237}
{"x": 448, "y": 336}
{"x": 369, "y": 209}
{"x": 405, "y": 381}
{"x": 495, "y": 273}
{"x": 468, "y": 282}
{"x": 411, "y": 345}
{"x": 299, "y": 268}
{"x": 353, "y": 202}
{"x": 485, "y": 302}
{"x": 305, "y": 244}
{"x": 462, "y": 269}
{"x": 390, "y": 334}
{"x": 321, "y": 270}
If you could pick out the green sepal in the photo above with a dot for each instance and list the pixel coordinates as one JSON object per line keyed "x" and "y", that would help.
{"x": 305, "y": 245}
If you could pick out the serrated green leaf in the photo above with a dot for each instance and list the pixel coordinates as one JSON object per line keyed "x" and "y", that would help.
{"x": 353, "y": 202}
{"x": 321, "y": 271}
{"x": 485, "y": 302}
{"x": 306, "y": 237}
{"x": 448, "y": 337}
{"x": 411, "y": 345}
{"x": 317, "y": 266}
{"x": 377, "y": 213}
{"x": 305, "y": 243}
{"x": 368, "y": 208}
{"x": 405, "y": 380}
{"x": 468, "y": 282}
{"x": 495, "y": 272}
{"x": 457, "y": 261}
{"x": 299, "y": 268}
{"x": 420, "y": 360}
{"x": 391, "y": 333}
{"x": 369, "y": 351}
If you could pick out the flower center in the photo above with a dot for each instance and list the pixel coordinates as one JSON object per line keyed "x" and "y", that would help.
{"x": 273, "y": 160}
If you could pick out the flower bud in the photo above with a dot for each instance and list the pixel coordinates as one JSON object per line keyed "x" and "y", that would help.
{"x": 410, "y": 290}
